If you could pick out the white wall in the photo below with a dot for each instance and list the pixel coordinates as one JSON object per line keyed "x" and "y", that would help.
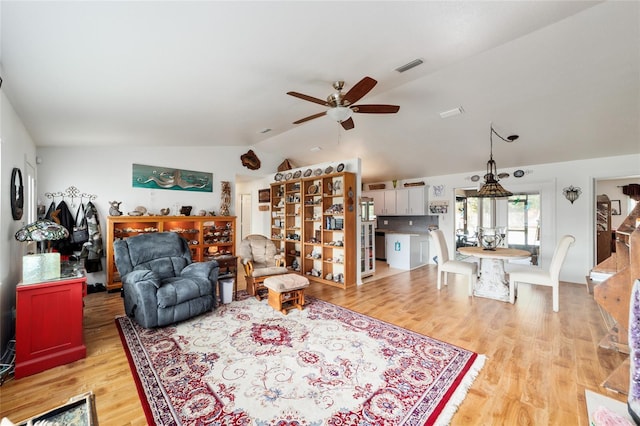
{"x": 559, "y": 216}
{"x": 16, "y": 150}
{"x": 107, "y": 173}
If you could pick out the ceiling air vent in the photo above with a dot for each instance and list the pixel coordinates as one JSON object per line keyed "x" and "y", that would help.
{"x": 410, "y": 65}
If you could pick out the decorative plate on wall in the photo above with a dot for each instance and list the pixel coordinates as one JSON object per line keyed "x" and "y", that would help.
{"x": 475, "y": 178}
{"x": 328, "y": 170}
{"x": 288, "y": 176}
{"x": 317, "y": 172}
{"x": 518, "y": 173}
{"x": 312, "y": 189}
{"x": 278, "y": 177}
{"x": 308, "y": 172}
{"x": 297, "y": 174}
{"x": 340, "y": 167}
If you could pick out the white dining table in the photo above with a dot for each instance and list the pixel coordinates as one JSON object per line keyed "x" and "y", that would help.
{"x": 493, "y": 282}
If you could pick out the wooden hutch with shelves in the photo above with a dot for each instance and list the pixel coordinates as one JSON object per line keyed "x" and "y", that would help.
{"x": 313, "y": 223}
{"x": 208, "y": 236}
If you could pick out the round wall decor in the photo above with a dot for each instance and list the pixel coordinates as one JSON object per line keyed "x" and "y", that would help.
{"x": 17, "y": 194}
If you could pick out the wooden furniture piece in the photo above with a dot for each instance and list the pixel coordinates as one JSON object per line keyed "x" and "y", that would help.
{"x": 314, "y": 224}
{"x": 49, "y": 328}
{"x": 493, "y": 282}
{"x": 537, "y": 276}
{"x": 260, "y": 260}
{"x": 445, "y": 266}
{"x": 209, "y": 236}
{"x": 613, "y": 294}
{"x": 603, "y": 228}
{"x": 286, "y": 292}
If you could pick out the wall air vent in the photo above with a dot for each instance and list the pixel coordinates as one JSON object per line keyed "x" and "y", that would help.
{"x": 408, "y": 66}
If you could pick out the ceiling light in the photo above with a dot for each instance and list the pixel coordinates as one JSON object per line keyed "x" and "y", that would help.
{"x": 340, "y": 113}
{"x": 451, "y": 112}
{"x": 491, "y": 187}
{"x": 408, "y": 66}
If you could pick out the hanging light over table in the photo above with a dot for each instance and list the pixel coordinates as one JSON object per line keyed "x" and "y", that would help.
{"x": 491, "y": 187}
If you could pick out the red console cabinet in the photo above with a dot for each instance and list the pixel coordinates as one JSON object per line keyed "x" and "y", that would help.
{"x": 49, "y": 325}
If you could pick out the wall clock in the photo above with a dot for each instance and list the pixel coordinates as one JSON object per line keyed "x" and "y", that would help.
{"x": 17, "y": 194}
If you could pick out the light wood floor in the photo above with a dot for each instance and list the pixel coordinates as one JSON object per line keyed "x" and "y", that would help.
{"x": 538, "y": 362}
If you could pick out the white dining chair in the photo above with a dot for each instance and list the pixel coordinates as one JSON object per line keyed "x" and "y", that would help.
{"x": 537, "y": 276}
{"x": 452, "y": 266}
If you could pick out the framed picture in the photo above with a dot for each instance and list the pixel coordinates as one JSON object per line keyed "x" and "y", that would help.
{"x": 615, "y": 208}
{"x": 438, "y": 207}
{"x": 155, "y": 177}
{"x": 263, "y": 195}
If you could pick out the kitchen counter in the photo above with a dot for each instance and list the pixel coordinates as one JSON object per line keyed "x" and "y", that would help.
{"x": 407, "y": 250}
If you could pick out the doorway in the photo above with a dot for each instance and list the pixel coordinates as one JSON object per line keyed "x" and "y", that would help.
{"x": 245, "y": 215}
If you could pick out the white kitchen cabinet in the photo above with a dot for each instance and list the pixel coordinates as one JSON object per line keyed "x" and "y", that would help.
{"x": 390, "y": 208}
{"x": 411, "y": 201}
{"x": 384, "y": 202}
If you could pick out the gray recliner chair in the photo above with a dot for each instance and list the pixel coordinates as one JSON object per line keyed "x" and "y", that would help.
{"x": 161, "y": 284}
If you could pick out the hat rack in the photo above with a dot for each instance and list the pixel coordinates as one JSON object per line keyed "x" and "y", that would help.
{"x": 72, "y": 193}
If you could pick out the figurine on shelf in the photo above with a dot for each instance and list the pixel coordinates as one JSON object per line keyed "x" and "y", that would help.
{"x": 164, "y": 212}
{"x": 114, "y": 210}
{"x": 186, "y": 210}
{"x": 225, "y": 198}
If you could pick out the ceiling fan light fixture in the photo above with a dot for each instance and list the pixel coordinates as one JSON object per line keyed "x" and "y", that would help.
{"x": 340, "y": 113}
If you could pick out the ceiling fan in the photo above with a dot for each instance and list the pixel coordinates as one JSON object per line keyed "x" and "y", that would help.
{"x": 342, "y": 104}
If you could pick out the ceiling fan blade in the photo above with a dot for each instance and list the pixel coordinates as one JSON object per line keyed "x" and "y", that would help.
{"x": 376, "y": 109}
{"x": 348, "y": 124}
{"x": 308, "y": 98}
{"x": 311, "y": 117}
{"x": 360, "y": 89}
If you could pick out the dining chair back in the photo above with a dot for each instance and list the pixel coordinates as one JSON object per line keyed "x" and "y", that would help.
{"x": 538, "y": 276}
{"x": 445, "y": 265}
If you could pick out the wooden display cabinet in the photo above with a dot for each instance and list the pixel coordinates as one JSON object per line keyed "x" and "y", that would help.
{"x": 339, "y": 230}
{"x": 312, "y": 232}
{"x": 293, "y": 224}
{"x": 208, "y": 236}
{"x": 277, "y": 216}
{"x": 313, "y": 222}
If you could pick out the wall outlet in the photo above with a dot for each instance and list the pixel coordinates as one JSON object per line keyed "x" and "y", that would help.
{"x": 410, "y": 223}
{"x": 386, "y": 222}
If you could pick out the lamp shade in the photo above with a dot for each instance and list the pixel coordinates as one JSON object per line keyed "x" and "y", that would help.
{"x": 491, "y": 187}
{"x": 340, "y": 113}
{"x": 42, "y": 230}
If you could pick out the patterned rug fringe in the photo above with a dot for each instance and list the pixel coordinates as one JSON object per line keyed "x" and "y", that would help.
{"x": 461, "y": 392}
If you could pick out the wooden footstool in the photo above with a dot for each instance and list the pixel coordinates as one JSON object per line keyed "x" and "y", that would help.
{"x": 286, "y": 291}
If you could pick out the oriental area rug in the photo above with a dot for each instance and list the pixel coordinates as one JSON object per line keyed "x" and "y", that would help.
{"x": 246, "y": 364}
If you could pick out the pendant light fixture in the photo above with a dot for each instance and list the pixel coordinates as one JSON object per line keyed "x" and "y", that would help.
{"x": 491, "y": 187}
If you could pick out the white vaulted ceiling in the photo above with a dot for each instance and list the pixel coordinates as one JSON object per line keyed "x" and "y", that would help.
{"x": 564, "y": 75}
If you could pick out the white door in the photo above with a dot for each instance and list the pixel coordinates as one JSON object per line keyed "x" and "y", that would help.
{"x": 245, "y": 215}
